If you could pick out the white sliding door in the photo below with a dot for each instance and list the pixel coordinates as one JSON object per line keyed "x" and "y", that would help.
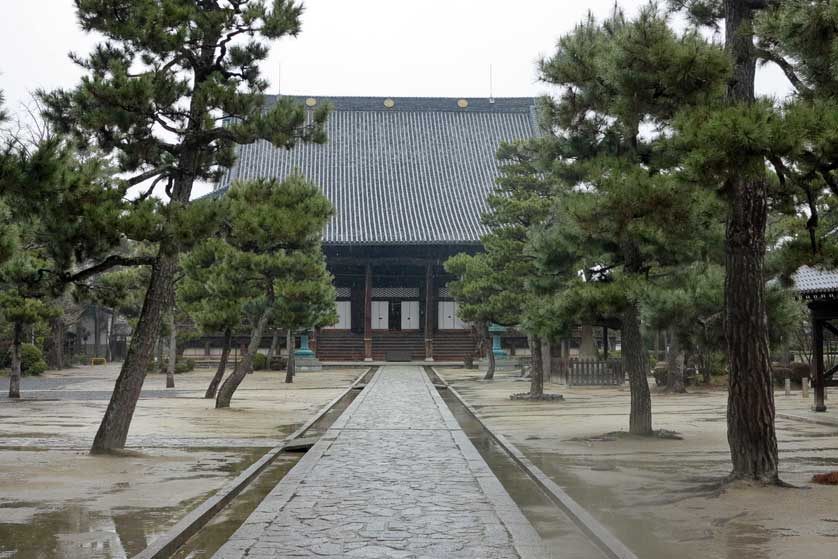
{"x": 410, "y": 315}
{"x": 447, "y": 318}
{"x": 380, "y": 315}
{"x": 344, "y": 322}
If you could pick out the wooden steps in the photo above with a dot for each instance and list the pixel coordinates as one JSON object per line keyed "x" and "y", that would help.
{"x": 453, "y": 345}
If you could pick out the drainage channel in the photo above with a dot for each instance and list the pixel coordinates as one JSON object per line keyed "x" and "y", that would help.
{"x": 211, "y": 536}
{"x": 559, "y": 532}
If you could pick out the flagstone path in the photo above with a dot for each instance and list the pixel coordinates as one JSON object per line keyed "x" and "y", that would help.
{"x": 394, "y": 477}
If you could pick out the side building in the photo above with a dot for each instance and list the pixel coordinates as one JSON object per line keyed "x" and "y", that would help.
{"x": 409, "y": 179}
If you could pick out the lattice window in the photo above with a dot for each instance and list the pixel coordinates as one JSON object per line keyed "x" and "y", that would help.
{"x": 443, "y": 293}
{"x": 395, "y": 292}
{"x": 343, "y": 292}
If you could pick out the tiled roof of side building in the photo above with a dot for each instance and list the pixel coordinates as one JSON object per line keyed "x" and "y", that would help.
{"x": 400, "y": 170}
{"x": 810, "y": 281}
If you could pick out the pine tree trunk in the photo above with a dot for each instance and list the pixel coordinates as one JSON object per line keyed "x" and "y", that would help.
{"x": 225, "y": 393}
{"x": 159, "y": 358}
{"x": 490, "y": 370}
{"x": 170, "y": 369}
{"x": 675, "y": 365}
{"x": 222, "y": 365}
{"x": 14, "y": 377}
{"x": 750, "y": 411}
{"x": 636, "y": 364}
{"x": 290, "y": 363}
{"x": 272, "y": 349}
{"x": 537, "y": 368}
{"x": 55, "y": 351}
{"x": 113, "y": 430}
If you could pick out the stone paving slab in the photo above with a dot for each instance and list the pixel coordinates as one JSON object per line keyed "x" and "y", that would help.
{"x": 394, "y": 477}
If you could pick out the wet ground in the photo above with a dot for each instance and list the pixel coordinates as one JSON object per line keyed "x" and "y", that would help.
{"x": 662, "y": 497}
{"x": 558, "y": 532}
{"x": 57, "y": 501}
{"x": 394, "y": 477}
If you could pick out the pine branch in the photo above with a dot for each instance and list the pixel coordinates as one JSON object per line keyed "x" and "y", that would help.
{"x": 148, "y": 192}
{"x": 108, "y": 263}
{"x": 787, "y": 69}
{"x": 142, "y": 177}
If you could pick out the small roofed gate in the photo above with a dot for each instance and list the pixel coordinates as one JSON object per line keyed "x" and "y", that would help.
{"x": 818, "y": 288}
{"x": 588, "y": 372}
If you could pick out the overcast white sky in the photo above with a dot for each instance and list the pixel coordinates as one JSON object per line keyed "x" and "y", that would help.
{"x": 359, "y": 47}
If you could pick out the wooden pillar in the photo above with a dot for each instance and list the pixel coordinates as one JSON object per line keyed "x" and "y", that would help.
{"x": 817, "y": 380}
{"x": 429, "y": 312}
{"x": 605, "y": 343}
{"x": 368, "y": 313}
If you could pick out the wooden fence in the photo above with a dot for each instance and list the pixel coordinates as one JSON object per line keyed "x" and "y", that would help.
{"x": 588, "y": 372}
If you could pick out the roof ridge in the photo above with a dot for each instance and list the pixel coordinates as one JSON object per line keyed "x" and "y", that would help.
{"x": 416, "y": 104}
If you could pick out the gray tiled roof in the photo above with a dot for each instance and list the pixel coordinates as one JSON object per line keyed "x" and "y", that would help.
{"x": 415, "y": 173}
{"x": 809, "y": 281}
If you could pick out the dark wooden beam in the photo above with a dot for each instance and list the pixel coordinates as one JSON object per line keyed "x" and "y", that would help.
{"x": 429, "y": 307}
{"x": 820, "y": 388}
{"x": 368, "y": 314}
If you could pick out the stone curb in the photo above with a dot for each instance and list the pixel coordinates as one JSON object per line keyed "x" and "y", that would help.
{"x": 525, "y": 539}
{"x": 815, "y": 420}
{"x": 176, "y": 536}
{"x": 599, "y": 534}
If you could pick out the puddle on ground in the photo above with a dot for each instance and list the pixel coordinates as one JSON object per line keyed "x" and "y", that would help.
{"x": 212, "y": 536}
{"x": 75, "y": 529}
{"x": 557, "y": 530}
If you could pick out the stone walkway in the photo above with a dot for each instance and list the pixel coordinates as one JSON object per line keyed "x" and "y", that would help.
{"x": 394, "y": 477}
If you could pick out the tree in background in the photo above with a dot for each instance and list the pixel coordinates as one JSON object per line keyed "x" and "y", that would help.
{"x": 304, "y": 302}
{"x": 482, "y": 300}
{"x": 504, "y": 273}
{"x": 273, "y": 231}
{"x": 688, "y": 303}
{"x": 59, "y": 211}
{"x": 620, "y": 214}
{"x": 170, "y": 93}
{"x": 213, "y": 297}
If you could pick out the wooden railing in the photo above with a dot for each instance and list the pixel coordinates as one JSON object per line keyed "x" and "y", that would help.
{"x": 588, "y": 372}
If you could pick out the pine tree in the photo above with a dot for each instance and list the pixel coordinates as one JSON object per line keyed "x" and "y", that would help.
{"x": 213, "y": 297}
{"x": 273, "y": 231}
{"x": 504, "y": 272}
{"x": 58, "y": 210}
{"x": 305, "y": 303}
{"x": 745, "y": 134}
{"x": 482, "y": 299}
{"x": 620, "y": 214}
{"x": 170, "y": 93}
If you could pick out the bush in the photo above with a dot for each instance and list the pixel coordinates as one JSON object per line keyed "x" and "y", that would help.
{"x": 31, "y": 360}
{"x": 796, "y": 371}
{"x": 661, "y": 374}
{"x": 184, "y": 365}
{"x": 260, "y": 362}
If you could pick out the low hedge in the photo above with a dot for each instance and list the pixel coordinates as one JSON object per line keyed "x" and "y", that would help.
{"x": 31, "y": 360}
{"x": 796, "y": 371}
{"x": 260, "y": 362}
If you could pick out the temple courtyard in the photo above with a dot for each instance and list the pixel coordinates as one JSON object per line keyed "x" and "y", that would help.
{"x": 398, "y": 473}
